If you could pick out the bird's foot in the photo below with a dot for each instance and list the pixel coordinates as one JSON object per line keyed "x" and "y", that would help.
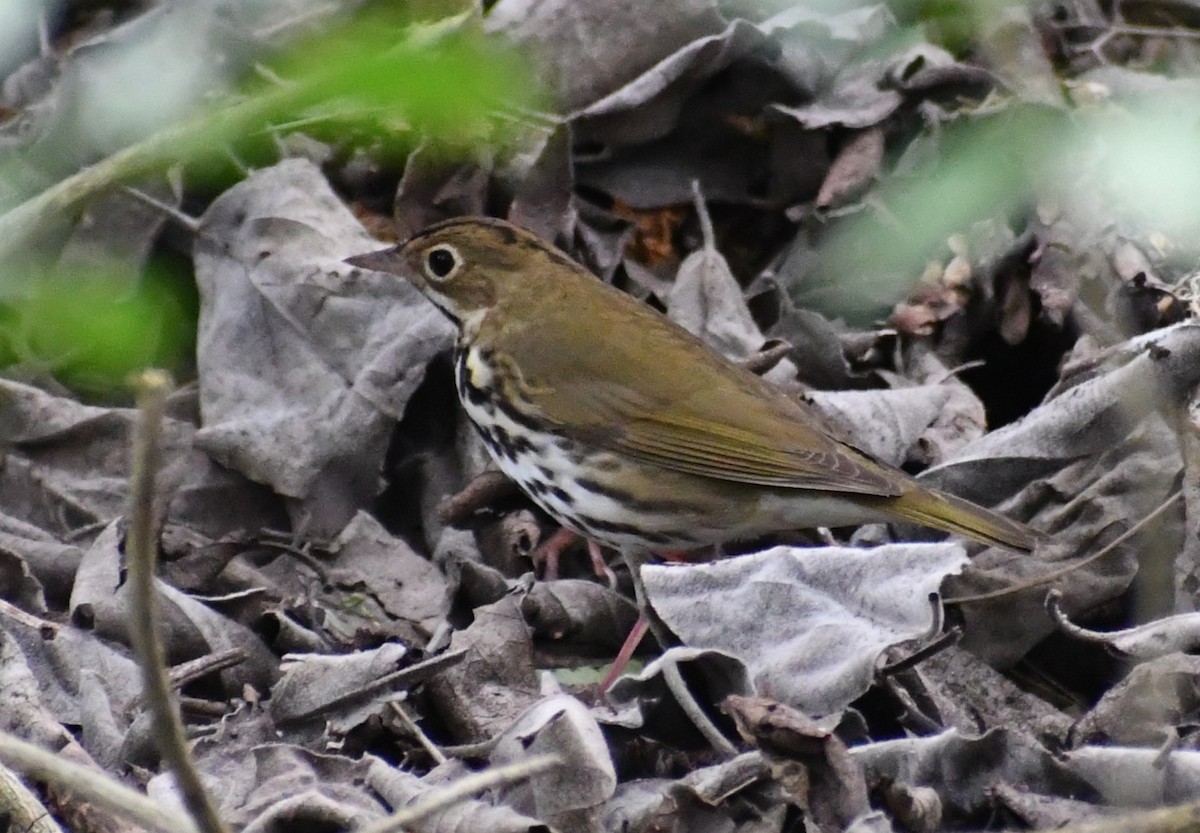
{"x": 548, "y": 553}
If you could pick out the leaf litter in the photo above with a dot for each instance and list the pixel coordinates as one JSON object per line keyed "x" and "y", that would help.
{"x": 761, "y": 174}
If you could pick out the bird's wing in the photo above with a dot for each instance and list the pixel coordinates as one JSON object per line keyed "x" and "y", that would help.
{"x": 657, "y": 394}
{"x": 748, "y": 443}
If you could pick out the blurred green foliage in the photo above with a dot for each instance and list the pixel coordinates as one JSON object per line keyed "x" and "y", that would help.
{"x": 955, "y": 25}
{"x": 375, "y": 82}
{"x": 446, "y": 80}
{"x": 976, "y": 169}
{"x": 1124, "y": 165}
{"x": 91, "y": 329}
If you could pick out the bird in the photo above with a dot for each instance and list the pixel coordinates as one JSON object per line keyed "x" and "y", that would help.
{"x": 629, "y": 430}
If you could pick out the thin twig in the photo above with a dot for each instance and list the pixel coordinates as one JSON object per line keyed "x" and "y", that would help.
{"x": 937, "y": 618}
{"x": 911, "y": 715}
{"x": 1053, "y": 605}
{"x": 141, "y": 545}
{"x": 215, "y": 709}
{"x": 185, "y": 221}
{"x": 941, "y": 643}
{"x": 280, "y": 27}
{"x": 410, "y": 676}
{"x": 1046, "y": 578}
{"x": 691, "y": 708}
{"x": 1131, "y": 29}
{"x": 417, "y": 732}
{"x": 90, "y": 785}
{"x": 957, "y": 370}
{"x": 300, "y": 554}
{"x": 186, "y": 673}
{"x": 8, "y": 610}
{"x": 463, "y": 789}
{"x": 479, "y": 749}
{"x": 190, "y": 138}
{"x": 706, "y": 224}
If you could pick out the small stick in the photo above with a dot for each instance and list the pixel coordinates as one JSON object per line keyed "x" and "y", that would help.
{"x": 410, "y": 676}
{"x": 417, "y": 732}
{"x": 1046, "y": 578}
{"x": 188, "y": 672}
{"x": 141, "y": 545}
{"x": 11, "y": 611}
{"x": 923, "y": 653}
{"x": 691, "y": 708}
{"x": 186, "y": 222}
{"x": 90, "y": 785}
{"x": 480, "y": 749}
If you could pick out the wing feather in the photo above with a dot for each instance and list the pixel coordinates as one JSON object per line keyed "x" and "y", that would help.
{"x": 658, "y": 394}
{"x": 718, "y": 450}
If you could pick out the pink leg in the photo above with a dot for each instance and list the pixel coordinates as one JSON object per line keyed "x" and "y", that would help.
{"x": 548, "y": 552}
{"x": 626, "y": 653}
{"x": 600, "y": 566}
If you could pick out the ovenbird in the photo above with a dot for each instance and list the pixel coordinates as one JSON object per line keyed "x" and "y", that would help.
{"x": 628, "y": 429}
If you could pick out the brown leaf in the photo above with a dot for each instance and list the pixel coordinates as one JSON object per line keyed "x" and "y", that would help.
{"x": 837, "y": 787}
{"x": 1016, "y": 309}
{"x": 654, "y": 243}
{"x": 853, "y": 169}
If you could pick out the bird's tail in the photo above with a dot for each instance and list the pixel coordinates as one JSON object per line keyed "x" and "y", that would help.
{"x": 954, "y": 514}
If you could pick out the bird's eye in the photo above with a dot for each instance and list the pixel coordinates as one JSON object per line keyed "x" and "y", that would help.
{"x": 441, "y": 261}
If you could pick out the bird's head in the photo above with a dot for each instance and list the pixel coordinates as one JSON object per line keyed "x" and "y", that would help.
{"x": 467, "y": 266}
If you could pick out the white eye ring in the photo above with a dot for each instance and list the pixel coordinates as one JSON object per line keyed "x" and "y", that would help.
{"x": 441, "y": 262}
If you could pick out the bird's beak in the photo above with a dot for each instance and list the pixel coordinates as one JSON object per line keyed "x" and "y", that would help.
{"x": 384, "y": 260}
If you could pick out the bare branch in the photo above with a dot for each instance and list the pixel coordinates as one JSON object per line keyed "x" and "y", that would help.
{"x": 90, "y": 785}
{"x": 141, "y": 552}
